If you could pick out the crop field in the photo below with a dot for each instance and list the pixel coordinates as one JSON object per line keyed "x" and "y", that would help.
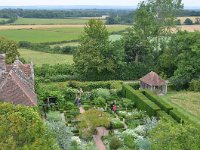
{"x": 39, "y": 58}
{"x": 37, "y": 21}
{"x": 42, "y": 35}
{"x": 193, "y": 18}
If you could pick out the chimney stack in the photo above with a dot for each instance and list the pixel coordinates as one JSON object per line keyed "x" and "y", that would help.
{"x": 2, "y": 63}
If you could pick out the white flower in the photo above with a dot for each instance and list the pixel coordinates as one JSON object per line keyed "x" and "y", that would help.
{"x": 76, "y": 139}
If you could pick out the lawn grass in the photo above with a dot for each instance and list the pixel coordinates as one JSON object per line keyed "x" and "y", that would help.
{"x": 187, "y": 103}
{"x": 50, "y": 34}
{"x": 38, "y": 21}
{"x": 39, "y": 58}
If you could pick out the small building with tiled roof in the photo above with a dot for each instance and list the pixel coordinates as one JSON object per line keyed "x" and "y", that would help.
{"x": 153, "y": 82}
{"x": 17, "y": 83}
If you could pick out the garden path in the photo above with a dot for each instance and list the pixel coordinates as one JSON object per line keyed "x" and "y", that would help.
{"x": 101, "y": 131}
{"x": 81, "y": 109}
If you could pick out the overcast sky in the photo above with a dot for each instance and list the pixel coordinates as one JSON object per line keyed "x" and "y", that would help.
{"x": 83, "y": 2}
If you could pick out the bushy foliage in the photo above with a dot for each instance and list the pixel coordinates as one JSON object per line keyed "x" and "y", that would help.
{"x": 188, "y": 21}
{"x": 9, "y": 47}
{"x": 100, "y": 102}
{"x": 104, "y": 93}
{"x": 55, "y": 73}
{"x": 115, "y": 143}
{"x": 47, "y": 48}
{"x": 22, "y": 128}
{"x": 195, "y": 85}
{"x": 177, "y": 136}
{"x": 91, "y": 119}
{"x": 62, "y": 133}
{"x": 116, "y": 123}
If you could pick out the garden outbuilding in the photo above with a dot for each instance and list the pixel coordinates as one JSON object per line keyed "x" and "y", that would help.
{"x": 152, "y": 81}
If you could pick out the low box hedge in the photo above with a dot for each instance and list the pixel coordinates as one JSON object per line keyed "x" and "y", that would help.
{"x": 158, "y": 101}
{"x": 140, "y": 100}
{"x": 165, "y": 116}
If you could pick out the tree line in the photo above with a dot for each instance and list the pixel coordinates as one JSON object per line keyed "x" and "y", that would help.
{"x": 9, "y": 13}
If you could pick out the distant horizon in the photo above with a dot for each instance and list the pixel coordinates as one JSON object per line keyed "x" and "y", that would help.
{"x": 80, "y": 7}
{"x": 120, "y": 3}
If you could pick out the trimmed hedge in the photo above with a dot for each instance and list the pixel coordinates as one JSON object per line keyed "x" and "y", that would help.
{"x": 88, "y": 86}
{"x": 179, "y": 117}
{"x": 165, "y": 116}
{"x": 157, "y": 100}
{"x": 135, "y": 85}
{"x": 140, "y": 100}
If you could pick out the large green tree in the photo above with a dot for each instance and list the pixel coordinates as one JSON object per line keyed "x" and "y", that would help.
{"x": 95, "y": 55}
{"x": 155, "y": 18}
{"x": 9, "y": 47}
{"x": 21, "y": 128}
{"x": 188, "y": 59}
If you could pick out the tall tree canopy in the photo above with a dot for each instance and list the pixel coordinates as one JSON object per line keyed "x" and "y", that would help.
{"x": 95, "y": 54}
{"x": 9, "y": 47}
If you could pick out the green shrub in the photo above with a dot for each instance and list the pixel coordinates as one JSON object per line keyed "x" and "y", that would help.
{"x": 129, "y": 141}
{"x": 128, "y": 103}
{"x": 195, "y": 85}
{"x": 115, "y": 143}
{"x": 140, "y": 100}
{"x": 104, "y": 93}
{"x": 100, "y": 102}
{"x": 157, "y": 100}
{"x": 116, "y": 124}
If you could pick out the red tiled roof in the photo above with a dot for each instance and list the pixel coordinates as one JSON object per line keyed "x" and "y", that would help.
{"x": 15, "y": 91}
{"x": 153, "y": 79}
{"x": 26, "y": 68}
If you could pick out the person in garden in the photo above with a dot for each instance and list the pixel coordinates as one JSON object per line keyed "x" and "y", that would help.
{"x": 78, "y": 101}
{"x": 114, "y": 108}
{"x": 111, "y": 106}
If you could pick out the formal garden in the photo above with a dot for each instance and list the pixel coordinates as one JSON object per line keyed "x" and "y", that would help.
{"x": 138, "y": 116}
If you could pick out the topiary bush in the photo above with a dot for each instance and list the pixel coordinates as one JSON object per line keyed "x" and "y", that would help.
{"x": 115, "y": 143}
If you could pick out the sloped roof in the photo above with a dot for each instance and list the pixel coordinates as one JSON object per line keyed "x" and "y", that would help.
{"x": 153, "y": 79}
{"x": 17, "y": 84}
{"x": 14, "y": 91}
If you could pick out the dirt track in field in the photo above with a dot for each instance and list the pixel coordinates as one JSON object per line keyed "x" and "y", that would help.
{"x": 19, "y": 27}
{"x": 190, "y": 28}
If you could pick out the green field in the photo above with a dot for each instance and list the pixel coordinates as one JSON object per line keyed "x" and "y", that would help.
{"x": 37, "y": 21}
{"x": 187, "y": 103}
{"x": 39, "y": 58}
{"x": 3, "y": 19}
{"x": 50, "y": 34}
